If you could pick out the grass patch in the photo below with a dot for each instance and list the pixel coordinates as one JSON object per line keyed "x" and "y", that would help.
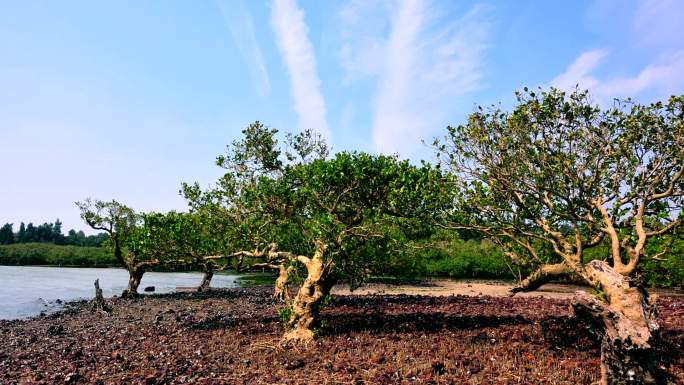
{"x": 257, "y": 279}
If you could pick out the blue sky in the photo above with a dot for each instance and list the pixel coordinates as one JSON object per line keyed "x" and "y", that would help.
{"x": 127, "y": 99}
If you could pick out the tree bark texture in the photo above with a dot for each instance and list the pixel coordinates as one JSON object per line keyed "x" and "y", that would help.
{"x": 282, "y": 289}
{"x": 542, "y": 275}
{"x": 627, "y": 316}
{"x": 134, "y": 277}
{"x": 306, "y": 304}
{"x": 206, "y": 281}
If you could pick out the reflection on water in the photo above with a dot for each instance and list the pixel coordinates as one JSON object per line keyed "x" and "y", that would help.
{"x": 25, "y": 291}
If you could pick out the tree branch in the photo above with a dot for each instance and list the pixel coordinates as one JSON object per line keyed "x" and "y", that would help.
{"x": 542, "y": 275}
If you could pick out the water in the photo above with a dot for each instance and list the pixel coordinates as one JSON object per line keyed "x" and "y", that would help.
{"x": 26, "y": 291}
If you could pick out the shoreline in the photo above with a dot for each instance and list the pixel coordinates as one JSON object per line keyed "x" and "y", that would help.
{"x": 427, "y": 288}
{"x": 231, "y": 336}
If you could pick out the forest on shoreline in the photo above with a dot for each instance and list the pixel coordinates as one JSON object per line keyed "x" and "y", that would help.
{"x": 556, "y": 189}
{"x": 46, "y": 244}
{"x": 49, "y": 232}
{"x": 471, "y": 259}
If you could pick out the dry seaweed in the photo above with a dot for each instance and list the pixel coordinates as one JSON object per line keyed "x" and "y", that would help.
{"x": 232, "y": 337}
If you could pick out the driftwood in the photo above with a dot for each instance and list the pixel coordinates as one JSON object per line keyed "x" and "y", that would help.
{"x": 100, "y": 304}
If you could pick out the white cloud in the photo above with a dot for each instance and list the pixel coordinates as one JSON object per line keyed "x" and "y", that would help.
{"x": 241, "y": 26}
{"x": 428, "y": 62}
{"x": 656, "y": 28}
{"x": 579, "y": 71}
{"x": 290, "y": 29}
{"x": 662, "y": 77}
{"x": 657, "y": 80}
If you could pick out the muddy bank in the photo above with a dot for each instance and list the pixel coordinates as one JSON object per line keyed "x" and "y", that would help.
{"x": 231, "y": 337}
{"x": 476, "y": 287}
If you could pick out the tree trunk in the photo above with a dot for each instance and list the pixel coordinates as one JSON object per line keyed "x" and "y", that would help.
{"x": 206, "y": 280}
{"x": 134, "y": 278}
{"x": 118, "y": 254}
{"x": 282, "y": 289}
{"x": 542, "y": 275}
{"x": 628, "y": 320}
{"x": 100, "y": 303}
{"x": 309, "y": 298}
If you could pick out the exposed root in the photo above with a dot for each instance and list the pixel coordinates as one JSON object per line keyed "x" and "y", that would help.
{"x": 299, "y": 336}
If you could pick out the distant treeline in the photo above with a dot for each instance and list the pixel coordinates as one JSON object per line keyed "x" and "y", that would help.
{"x": 23, "y": 254}
{"x": 48, "y": 233}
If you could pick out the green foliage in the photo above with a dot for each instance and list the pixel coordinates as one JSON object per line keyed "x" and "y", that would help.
{"x": 445, "y": 254}
{"x": 171, "y": 239}
{"x": 549, "y": 179}
{"x": 48, "y": 232}
{"x": 285, "y": 314}
{"x": 320, "y": 325}
{"x": 356, "y": 204}
{"x": 256, "y": 153}
{"x": 235, "y": 208}
{"x": 78, "y": 238}
{"x": 527, "y": 180}
{"x": 468, "y": 259}
{"x": 6, "y": 234}
{"x": 112, "y": 217}
{"x": 351, "y": 210}
{"x": 599, "y": 293}
{"x": 56, "y": 255}
{"x": 668, "y": 269}
{"x": 324, "y": 301}
{"x": 665, "y": 271}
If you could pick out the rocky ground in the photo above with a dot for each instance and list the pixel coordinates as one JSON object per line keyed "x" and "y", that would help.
{"x": 232, "y": 337}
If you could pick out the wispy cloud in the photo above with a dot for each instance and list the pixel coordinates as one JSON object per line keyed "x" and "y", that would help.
{"x": 241, "y": 26}
{"x": 656, "y": 26}
{"x": 364, "y": 28}
{"x": 579, "y": 71}
{"x": 395, "y": 121}
{"x": 657, "y": 80}
{"x": 422, "y": 56}
{"x": 428, "y": 60}
{"x": 291, "y": 32}
{"x": 662, "y": 77}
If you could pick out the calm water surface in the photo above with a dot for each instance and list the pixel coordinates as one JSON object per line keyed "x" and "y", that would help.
{"x": 26, "y": 291}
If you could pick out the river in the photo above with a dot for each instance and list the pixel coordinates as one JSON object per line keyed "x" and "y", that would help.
{"x": 26, "y": 291}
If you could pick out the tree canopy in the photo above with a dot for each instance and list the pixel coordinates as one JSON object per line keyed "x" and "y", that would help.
{"x": 112, "y": 217}
{"x": 561, "y": 173}
{"x": 558, "y": 176}
{"x": 334, "y": 217}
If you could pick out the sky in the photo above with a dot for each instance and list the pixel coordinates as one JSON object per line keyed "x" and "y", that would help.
{"x": 127, "y": 99}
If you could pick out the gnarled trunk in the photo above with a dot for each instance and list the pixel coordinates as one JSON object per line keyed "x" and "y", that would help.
{"x": 542, "y": 275}
{"x": 206, "y": 280}
{"x": 628, "y": 320}
{"x": 282, "y": 289}
{"x": 309, "y": 298}
{"x": 134, "y": 277}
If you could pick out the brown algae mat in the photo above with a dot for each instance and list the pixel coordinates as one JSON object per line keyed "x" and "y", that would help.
{"x": 232, "y": 337}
